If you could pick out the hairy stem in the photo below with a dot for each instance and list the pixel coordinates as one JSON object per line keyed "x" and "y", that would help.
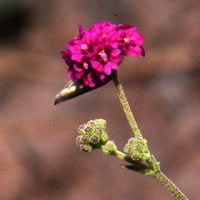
{"x": 157, "y": 174}
{"x": 175, "y": 191}
{"x": 126, "y": 106}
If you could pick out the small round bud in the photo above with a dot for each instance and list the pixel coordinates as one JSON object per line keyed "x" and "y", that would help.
{"x": 88, "y": 129}
{"x": 91, "y": 122}
{"x": 79, "y": 140}
{"x": 98, "y": 130}
{"x": 131, "y": 140}
{"x": 81, "y": 129}
{"x": 109, "y": 148}
{"x": 86, "y": 147}
{"x": 104, "y": 137}
{"x": 85, "y": 138}
{"x": 101, "y": 122}
{"x": 94, "y": 139}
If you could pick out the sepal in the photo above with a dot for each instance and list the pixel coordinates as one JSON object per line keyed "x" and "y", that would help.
{"x": 74, "y": 89}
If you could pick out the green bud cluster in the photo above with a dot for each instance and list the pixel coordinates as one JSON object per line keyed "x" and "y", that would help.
{"x": 92, "y": 135}
{"x": 137, "y": 149}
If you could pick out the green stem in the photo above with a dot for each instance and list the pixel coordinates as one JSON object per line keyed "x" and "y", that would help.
{"x": 123, "y": 156}
{"x": 126, "y": 106}
{"x": 175, "y": 191}
{"x": 157, "y": 174}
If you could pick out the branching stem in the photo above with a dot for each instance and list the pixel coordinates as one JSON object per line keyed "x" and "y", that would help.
{"x": 157, "y": 174}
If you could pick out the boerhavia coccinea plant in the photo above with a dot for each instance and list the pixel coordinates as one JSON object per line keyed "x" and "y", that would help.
{"x": 93, "y": 58}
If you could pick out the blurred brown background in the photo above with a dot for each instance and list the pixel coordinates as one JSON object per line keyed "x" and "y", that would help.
{"x": 38, "y": 157}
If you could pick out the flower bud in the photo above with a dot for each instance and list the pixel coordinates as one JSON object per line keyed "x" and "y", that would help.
{"x": 81, "y": 129}
{"x": 79, "y": 140}
{"x": 86, "y": 147}
{"x": 104, "y": 137}
{"x": 137, "y": 149}
{"x": 109, "y": 148}
{"x": 94, "y": 139}
{"x": 101, "y": 123}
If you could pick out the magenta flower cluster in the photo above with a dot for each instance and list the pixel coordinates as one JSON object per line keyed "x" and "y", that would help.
{"x": 95, "y": 53}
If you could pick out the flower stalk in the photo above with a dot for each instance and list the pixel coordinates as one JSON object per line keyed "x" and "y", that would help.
{"x": 126, "y": 106}
{"x": 153, "y": 169}
{"x": 173, "y": 189}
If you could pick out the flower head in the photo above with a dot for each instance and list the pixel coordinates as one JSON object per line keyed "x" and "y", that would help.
{"x": 95, "y": 53}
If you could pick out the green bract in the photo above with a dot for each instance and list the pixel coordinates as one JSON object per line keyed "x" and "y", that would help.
{"x": 109, "y": 148}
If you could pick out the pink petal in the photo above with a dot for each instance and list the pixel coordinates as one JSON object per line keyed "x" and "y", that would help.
{"x": 115, "y": 66}
{"x": 134, "y": 51}
{"x": 70, "y": 72}
{"x": 100, "y": 75}
{"x": 86, "y": 82}
{"x": 118, "y": 59}
{"x": 77, "y": 57}
{"x": 81, "y": 30}
{"x": 77, "y": 68}
{"x": 92, "y": 84}
{"x": 91, "y": 80}
{"x": 87, "y": 38}
{"x": 114, "y": 45}
{"x": 97, "y": 65}
{"x": 75, "y": 47}
{"x": 125, "y": 26}
{"x": 78, "y": 75}
{"x": 108, "y": 68}
{"x": 115, "y": 52}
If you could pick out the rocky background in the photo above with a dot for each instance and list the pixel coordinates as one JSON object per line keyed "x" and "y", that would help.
{"x": 38, "y": 157}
